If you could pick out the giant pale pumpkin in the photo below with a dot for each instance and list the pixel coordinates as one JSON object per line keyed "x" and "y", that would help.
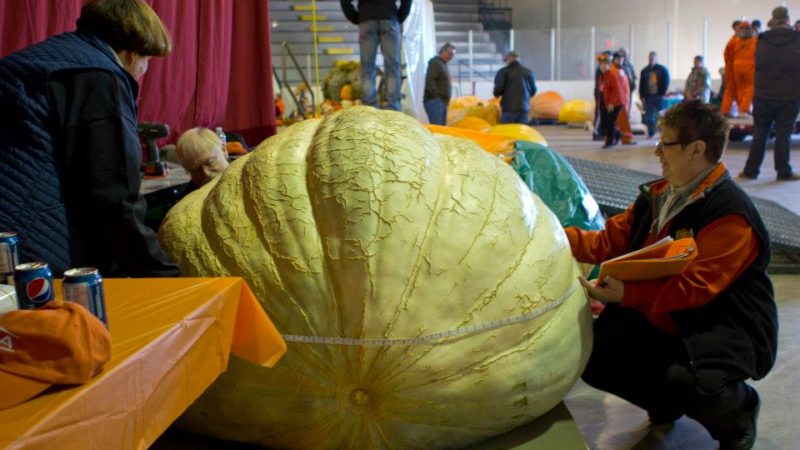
{"x": 364, "y": 225}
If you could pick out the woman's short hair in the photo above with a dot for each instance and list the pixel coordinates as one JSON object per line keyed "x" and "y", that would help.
{"x": 695, "y": 120}
{"x": 130, "y": 25}
{"x": 197, "y": 140}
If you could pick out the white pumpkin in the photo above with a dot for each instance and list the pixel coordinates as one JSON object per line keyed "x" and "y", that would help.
{"x": 364, "y": 225}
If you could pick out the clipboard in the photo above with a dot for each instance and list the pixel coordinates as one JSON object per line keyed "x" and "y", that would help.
{"x": 660, "y": 259}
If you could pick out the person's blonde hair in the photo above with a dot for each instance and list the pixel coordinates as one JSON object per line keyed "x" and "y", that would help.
{"x": 126, "y": 25}
{"x": 194, "y": 141}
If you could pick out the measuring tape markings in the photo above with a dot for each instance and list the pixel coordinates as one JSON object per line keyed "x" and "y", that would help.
{"x": 468, "y": 329}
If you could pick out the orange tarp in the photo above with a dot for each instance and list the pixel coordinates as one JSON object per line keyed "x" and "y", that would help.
{"x": 473, "y": 123}
{"x": 492, "y": 143}
{"x": 171, "y": 338}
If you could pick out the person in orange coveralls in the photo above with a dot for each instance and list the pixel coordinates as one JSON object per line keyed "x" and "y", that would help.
{"x": 623, "y": 120}
{"x": 727, "y": 77}
{"x": 685, "y": 344}
{"x": 740, "y": 69}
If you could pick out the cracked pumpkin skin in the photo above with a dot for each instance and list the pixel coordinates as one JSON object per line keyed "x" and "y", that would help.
{"x": 366, "y": 225}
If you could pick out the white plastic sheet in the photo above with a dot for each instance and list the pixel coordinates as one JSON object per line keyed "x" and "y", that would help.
{"x": 419, "y": 45}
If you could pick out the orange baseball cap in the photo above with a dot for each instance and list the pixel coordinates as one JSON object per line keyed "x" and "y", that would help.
{"x": 60, "y": 343}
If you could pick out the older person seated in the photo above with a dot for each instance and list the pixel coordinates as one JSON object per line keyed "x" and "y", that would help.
{"x": 202, "y": 155}
{"x": 686, "y": 343}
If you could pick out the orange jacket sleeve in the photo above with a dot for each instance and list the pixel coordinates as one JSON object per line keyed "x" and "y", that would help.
{"x": 595, "y": 247}
{"x": 612, "y": 88}
{"x": 725, "y": 248}
{"x": 730, "y": 48}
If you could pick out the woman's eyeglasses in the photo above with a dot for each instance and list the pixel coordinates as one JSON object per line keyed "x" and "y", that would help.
{"x": 662, "y": 145}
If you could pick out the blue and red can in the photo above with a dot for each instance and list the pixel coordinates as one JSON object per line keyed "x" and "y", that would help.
{"x": 9, "y": 256}
{"x": 84, "y": 285}
{"x": 34, "y": 282}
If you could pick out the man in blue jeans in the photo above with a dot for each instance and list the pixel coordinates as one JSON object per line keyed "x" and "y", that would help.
{"x": 653, "y": 84}
{"x": 379, "y": 23}
{"x": 777, "y": 95}
{"x": 437, "y": 86}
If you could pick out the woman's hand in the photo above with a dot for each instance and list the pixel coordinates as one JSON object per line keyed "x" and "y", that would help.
{"x": 610, "y": 291}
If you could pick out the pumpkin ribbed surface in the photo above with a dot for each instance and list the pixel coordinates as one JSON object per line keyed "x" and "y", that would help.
{"x": 365, "y": 225}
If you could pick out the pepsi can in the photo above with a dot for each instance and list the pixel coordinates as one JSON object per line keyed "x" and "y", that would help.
{"x": 34, "y": 282}
{"x": 85, "y": 286}
{"x": 9, "y": 256}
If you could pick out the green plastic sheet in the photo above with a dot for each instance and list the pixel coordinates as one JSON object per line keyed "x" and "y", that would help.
{"x": 548, "y": 175}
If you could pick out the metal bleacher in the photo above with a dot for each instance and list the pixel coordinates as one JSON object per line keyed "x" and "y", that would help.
{"x": 614, "y": 188}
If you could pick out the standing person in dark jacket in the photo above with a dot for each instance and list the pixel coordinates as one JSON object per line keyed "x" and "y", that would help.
{"x": 516, "y": 85}
{"x": 653, "y": 84}
{"x": 437, "y": 85}
{"x": 69, "y": 147}
{"x": 379, "y": 24}
{"x": 630, "y": 72}
{"x": 777, "y": 95}
{"x": 686, "y": 343}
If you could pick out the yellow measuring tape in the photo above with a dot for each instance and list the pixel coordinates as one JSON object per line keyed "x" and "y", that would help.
{"x": 469, "y": 329}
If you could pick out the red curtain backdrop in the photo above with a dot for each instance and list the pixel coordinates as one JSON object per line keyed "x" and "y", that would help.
{"x": 219, "y": 71}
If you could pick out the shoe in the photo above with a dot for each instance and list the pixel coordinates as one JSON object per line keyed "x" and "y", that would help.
{"x": 790, "y": 177}
{"x": 629, "y": 143}
{"x": 608, "y": 146}
{"x": 599, "y": 137}
{"x": 744, "y": 431}
{"x": 745, "y": 176}
{"x": 663, "y": 417}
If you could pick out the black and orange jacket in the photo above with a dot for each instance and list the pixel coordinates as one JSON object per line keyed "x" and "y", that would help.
{"x": 723, "y": 303}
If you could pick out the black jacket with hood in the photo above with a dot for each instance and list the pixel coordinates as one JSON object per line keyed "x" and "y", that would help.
{"x": 375, "y": 10}
{"x": 778, "y": 64}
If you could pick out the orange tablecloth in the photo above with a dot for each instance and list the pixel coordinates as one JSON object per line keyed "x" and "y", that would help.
{"x": 170, "y": 339}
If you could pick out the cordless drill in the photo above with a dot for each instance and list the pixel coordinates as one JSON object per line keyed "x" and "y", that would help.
{"x": 148, "y": 133}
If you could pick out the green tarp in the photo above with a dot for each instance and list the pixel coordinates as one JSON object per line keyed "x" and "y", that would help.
{"x": 552, "y": 178}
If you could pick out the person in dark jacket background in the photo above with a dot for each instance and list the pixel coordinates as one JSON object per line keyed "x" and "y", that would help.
{"x": 630, "y": 72}
{"x": 379, "y": 24}
{"x": 653, "y": 84}
{"x": 515, "y": 84}
{"x": 437, "y": 85}
{"x": 69, "y": 147}
{"x": 777, "y": 95}
{"x": 686, "y": 343}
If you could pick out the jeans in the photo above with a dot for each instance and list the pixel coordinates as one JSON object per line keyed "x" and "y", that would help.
{"x": 767, "y": 113}
{"x": 387, "y": 34}
{"x": 652, "y": 105}
{"x": 514, "y": 117}
{"x": 437, "y": 111}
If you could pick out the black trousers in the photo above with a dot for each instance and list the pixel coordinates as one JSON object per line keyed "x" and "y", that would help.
{"x": 650, "y": 368}
{"x": 609, "y": 119}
